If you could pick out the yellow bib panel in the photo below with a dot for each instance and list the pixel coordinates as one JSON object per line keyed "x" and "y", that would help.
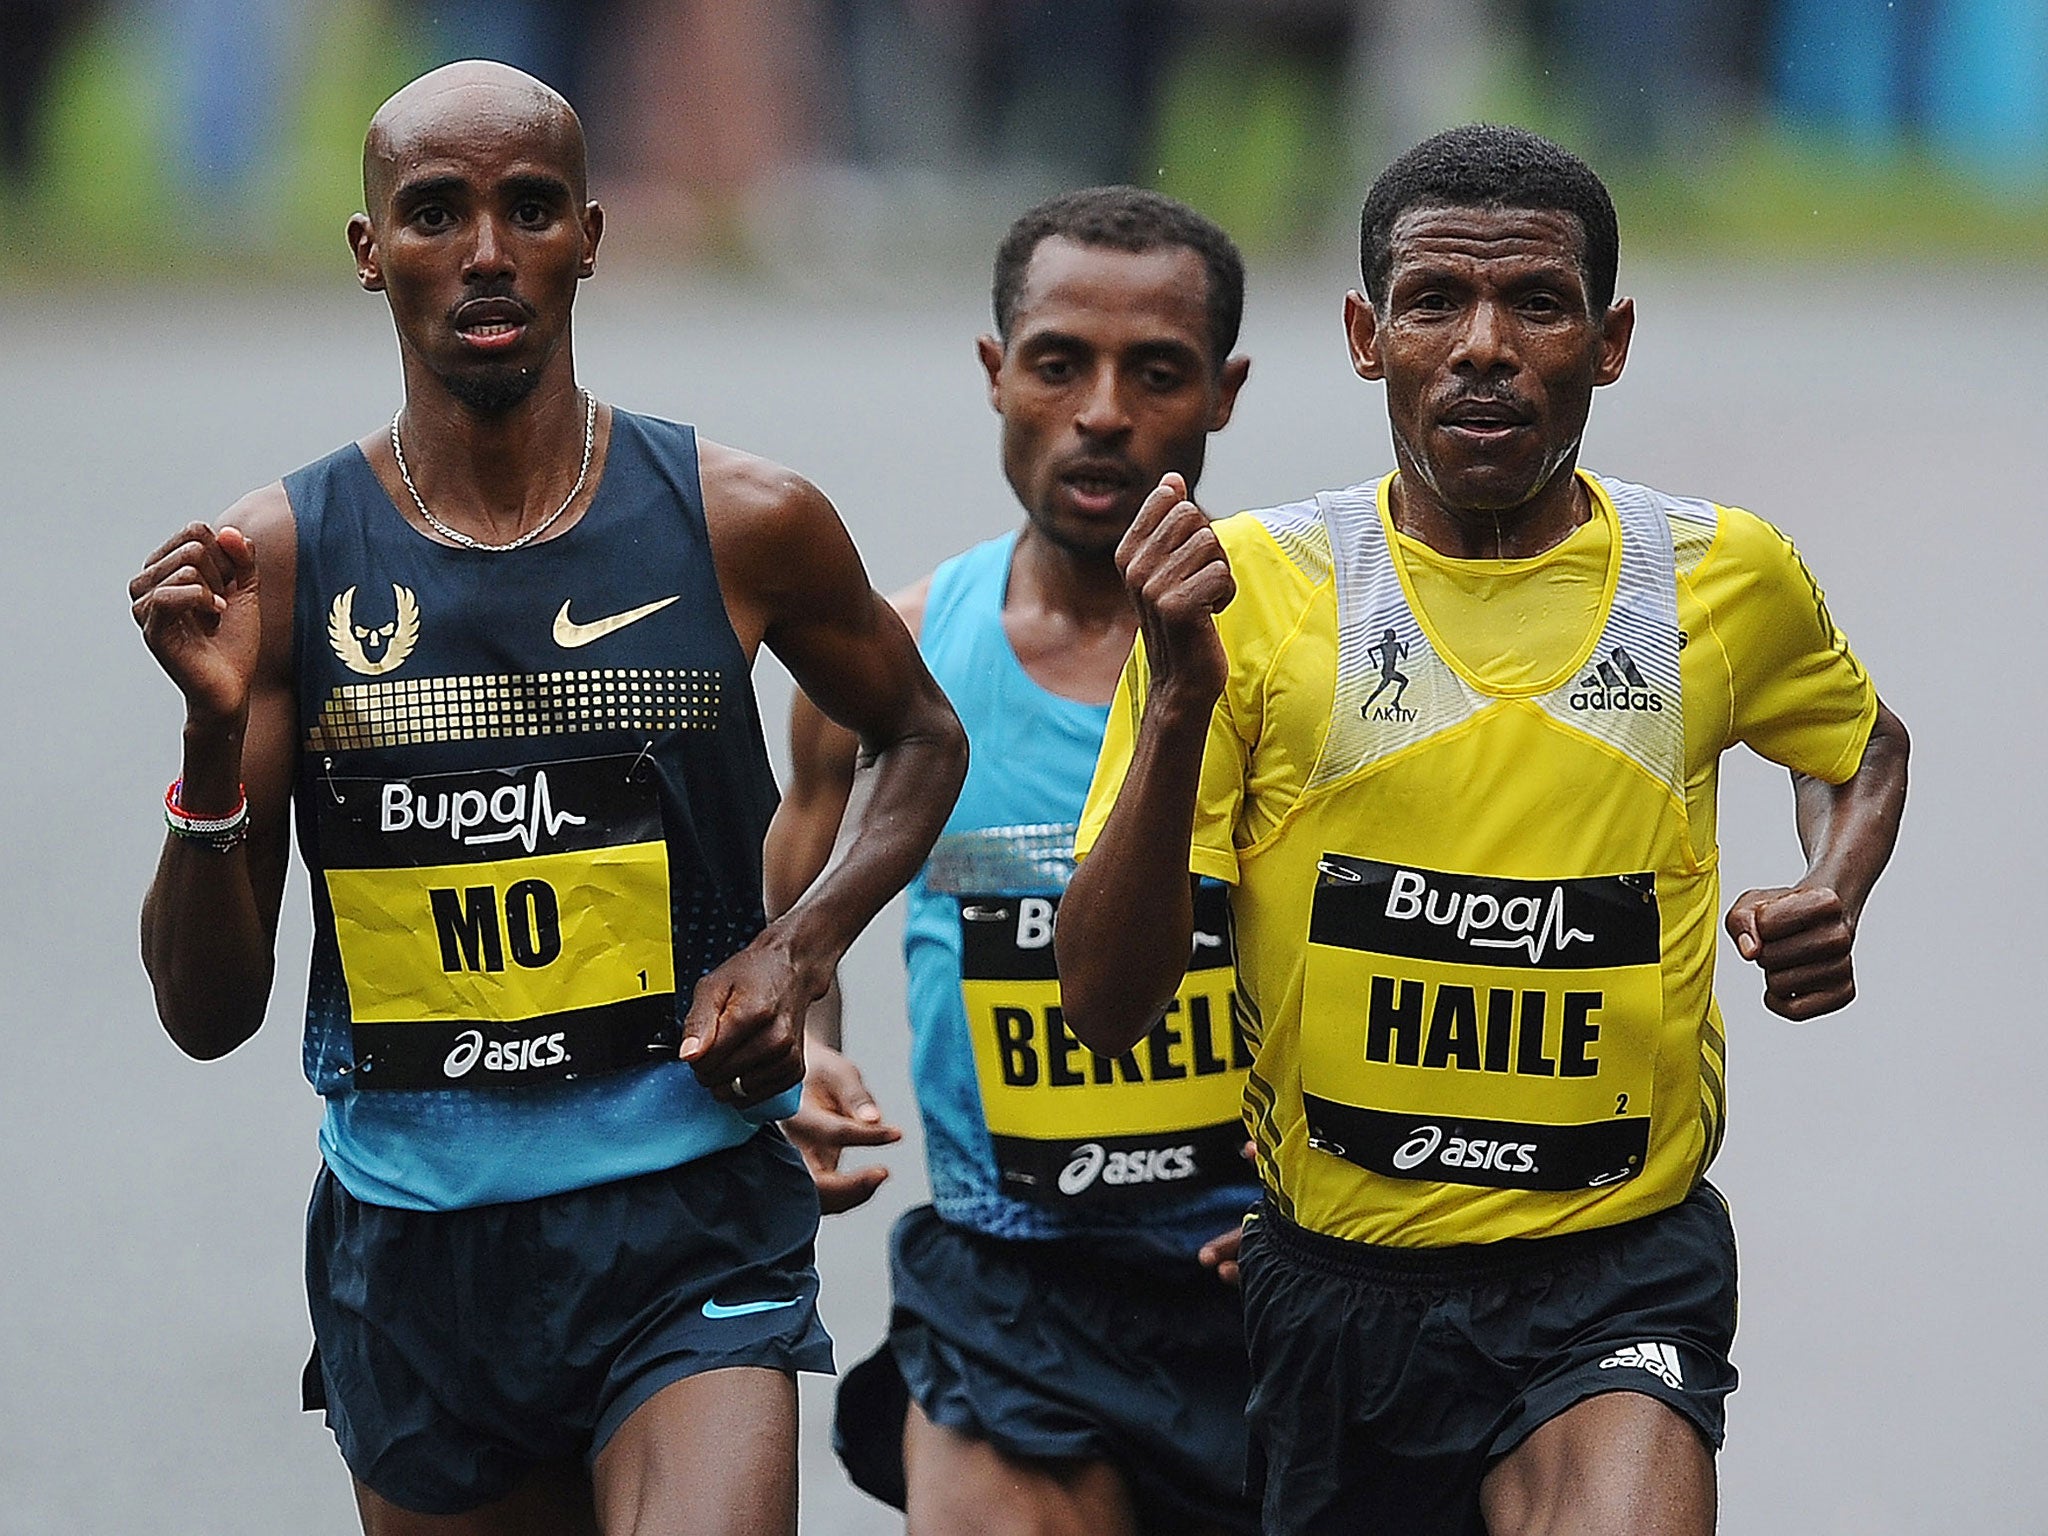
{"x": 1071, "y": 1126}
{"x": 500, "y": 926}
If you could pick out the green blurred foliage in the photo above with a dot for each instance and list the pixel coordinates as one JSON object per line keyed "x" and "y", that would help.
{"x": 111, "y": 203}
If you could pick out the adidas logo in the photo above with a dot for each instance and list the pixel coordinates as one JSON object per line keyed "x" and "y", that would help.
{"x": 1616, "y": 683}
{"x": 1660, "y": 1360}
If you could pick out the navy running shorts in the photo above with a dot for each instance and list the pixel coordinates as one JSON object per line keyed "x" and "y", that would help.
{"x": 456, "y": 1350}
{"x": 1057, "y": 1351}
{"x": 1387, "y": 1381}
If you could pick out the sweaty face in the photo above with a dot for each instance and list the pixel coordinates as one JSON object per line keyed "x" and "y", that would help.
{"x": 1489, "y": 351}
{"x": 479, "y": 241}
{"x": 1104, "y": 385}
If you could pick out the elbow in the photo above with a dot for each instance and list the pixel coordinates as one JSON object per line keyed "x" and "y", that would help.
{"x": 1100, "y": 999}
{"x": 207, "y": 1022}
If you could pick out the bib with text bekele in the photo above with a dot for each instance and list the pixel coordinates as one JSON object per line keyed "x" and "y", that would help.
{"x": 1074, "y": 1128}
{"x": 502, "y": 927}
{"x": 1481, "y": 1030}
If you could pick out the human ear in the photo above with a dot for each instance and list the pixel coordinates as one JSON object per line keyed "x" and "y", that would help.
{"x": 1362, "y": 327}
{"x": 362, "y": 241}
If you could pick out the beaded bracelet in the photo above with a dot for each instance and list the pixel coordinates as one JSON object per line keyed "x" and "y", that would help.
{"x": 219, "y": 833}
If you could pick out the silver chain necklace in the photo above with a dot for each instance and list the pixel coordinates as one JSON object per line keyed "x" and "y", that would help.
{"x": 456, "y": 535}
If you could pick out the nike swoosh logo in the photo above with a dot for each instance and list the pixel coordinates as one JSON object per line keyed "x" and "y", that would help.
{"x": 569, "y": 634}
{"x": 713, "y": 1308}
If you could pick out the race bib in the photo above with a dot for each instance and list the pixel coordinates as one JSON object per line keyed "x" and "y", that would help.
{"x": 1073, "y": 1128}
{"x": 1476, "y": 1030}
{"x": 502, "y": 927}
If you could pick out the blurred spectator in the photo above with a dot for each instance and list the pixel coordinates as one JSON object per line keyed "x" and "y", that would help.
{"x": 1968, "y": 76}
{"x": 31, "y": 34}
{"x": 232, "y": 69}
{"x": 1655, "y": 77}
{"x": 554, "y": 40}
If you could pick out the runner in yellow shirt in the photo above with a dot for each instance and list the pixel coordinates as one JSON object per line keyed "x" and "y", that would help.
{"x": 1452, "y": 741}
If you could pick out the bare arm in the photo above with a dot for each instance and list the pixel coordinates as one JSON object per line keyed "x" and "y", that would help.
{"x": 837, "y": 1111}
{"x": 1127, "y": 920}
{"x": 1801, "y": 936}
{"x": 791, "y": 578}
{"x": 217, "y": 616}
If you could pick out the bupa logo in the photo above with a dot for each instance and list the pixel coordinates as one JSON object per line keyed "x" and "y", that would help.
{"x": 1158, "y": 1165}
{"x": 508, "y": 1056}
{"x": 520, "y": 813}
{"x": 1429, "y": 1141}
{"x": 1616, "y": 684}
{"x": 1482, "y": 919}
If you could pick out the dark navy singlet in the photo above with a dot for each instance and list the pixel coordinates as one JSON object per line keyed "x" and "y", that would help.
{"x": 531, "y": 796}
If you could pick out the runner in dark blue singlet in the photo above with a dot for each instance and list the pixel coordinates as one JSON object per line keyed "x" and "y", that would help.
{"x": 494, "y": 661}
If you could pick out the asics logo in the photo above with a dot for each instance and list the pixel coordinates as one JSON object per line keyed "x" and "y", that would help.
{"x": 1156, "y": 1165}
{"x": 569, "y": 634}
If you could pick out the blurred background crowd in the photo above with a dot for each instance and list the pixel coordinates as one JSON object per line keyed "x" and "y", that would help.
{"x": 142, "y": 133}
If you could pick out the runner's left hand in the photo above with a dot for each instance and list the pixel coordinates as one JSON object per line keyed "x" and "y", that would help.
{"x": 838, "y": 1112}
{"x": 1220, "y": 1254}
{"x": 1800, "y": 937}
{"x": 743, "y": 1036}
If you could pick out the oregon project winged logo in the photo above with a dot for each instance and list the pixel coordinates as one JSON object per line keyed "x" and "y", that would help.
{"x": 354, "y": 642}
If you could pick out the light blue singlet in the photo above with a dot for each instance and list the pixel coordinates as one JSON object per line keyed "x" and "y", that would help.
{"x": 1012, "y": 834}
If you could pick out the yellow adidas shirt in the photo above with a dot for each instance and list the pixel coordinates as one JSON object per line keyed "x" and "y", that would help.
{"x": 1467, "y": 813}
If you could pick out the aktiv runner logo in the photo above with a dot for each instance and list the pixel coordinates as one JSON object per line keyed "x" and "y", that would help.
{"x": 1616, "y": 683}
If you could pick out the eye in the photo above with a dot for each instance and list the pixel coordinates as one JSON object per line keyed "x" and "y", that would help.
{"x": 1162, "y": 378}
{"x": 1054, "y": 370}
{"x": 531, "y": 214}
{"x": 432, "y": 217}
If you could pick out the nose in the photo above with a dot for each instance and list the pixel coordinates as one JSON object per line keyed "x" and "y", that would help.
{"x": 1100, "y": 412}
{"x": 1485, "y": 345}
{"x": 489, "y": 254}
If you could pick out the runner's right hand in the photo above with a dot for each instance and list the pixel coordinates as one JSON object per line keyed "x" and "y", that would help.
{"x": 838, "y": 1112}
{"x": 1179, "y": 579}
{"x": 196, "y": 603}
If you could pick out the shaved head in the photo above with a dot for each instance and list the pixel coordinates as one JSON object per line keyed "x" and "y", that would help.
{"x": 462, "y": 103}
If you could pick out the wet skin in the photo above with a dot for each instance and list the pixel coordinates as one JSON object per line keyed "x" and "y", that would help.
{"x": 1490, "y": 352}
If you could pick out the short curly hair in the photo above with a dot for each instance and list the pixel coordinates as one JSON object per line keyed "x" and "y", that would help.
{"x": 1126, "y": 219}
{"x": 1484, "y": 165}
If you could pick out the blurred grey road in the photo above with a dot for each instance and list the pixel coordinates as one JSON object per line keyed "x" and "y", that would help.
{"x": 1885, "y": 1166}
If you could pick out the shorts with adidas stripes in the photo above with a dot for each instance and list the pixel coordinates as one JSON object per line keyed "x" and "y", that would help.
{"x": 1387, "y": 1381}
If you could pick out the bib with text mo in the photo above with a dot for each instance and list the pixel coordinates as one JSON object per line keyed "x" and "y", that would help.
{"x": 1071, "y": 1127}
{"x": 501, "y": 927}
{"x": 1478, "y": 1030}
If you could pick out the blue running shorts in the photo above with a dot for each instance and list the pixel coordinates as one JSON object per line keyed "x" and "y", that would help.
{"x": 1059, "y": 1351}
{"x": 456, "y": 1350}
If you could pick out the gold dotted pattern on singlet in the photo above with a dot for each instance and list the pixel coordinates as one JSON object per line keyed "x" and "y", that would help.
{"x": 514, "y": 706}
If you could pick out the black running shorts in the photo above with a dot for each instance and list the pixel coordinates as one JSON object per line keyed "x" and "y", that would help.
{"x": 455, "y": 1350}
{"x": 1387, "y": 1381}
{"x": 1056, "y": 1351}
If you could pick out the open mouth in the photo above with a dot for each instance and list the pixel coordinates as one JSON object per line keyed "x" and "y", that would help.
{"x": 1097, "y": 490}
{"x": 491, "y": 325}
{"x": 1484, "y": 420}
